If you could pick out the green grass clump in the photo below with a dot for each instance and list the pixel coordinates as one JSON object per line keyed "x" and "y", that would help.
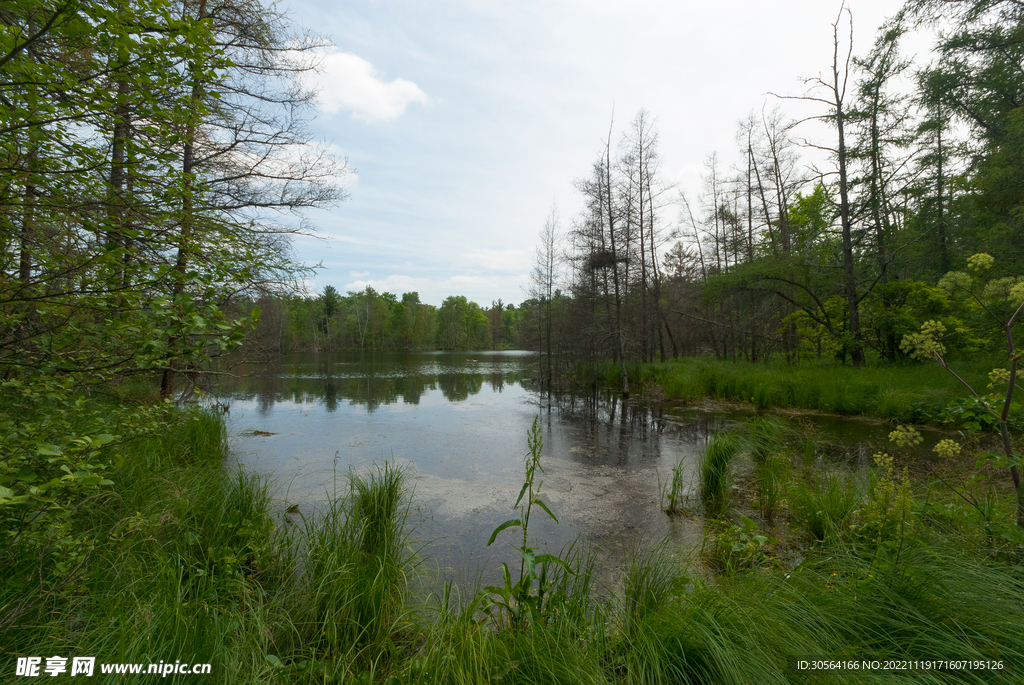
{"x": 824, "y": 507}
{"x": 768, "y": 435}
{"x": 714, "y": 472}
{"x": 771, "y": 483}
{"x": 356, "y": 570}
{"x": 673, "y": 492}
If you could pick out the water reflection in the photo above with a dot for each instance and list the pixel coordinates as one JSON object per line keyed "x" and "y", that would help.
{"x": 373, "y": 380}
{"x": 457, "y": 423}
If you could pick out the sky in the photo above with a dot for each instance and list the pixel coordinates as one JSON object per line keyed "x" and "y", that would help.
{"x": 464, "y": 122}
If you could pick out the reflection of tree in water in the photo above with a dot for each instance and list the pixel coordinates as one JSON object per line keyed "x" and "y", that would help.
{"x": 457, "y": 387}
{"x": 268, "y": 391}
{"x": 330, "y": 397}
{"x": 366, "y": 381}
{"x": 411, "y": 388}
{"x": 607, "y": 431}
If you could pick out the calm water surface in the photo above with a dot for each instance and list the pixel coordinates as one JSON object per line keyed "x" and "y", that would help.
{"x": 457, "y": 423}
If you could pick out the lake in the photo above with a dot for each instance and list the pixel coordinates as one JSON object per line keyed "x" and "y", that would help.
{"x": 457, "y": 423}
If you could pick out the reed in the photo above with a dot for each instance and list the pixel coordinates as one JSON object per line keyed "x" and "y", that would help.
{"x": 714, "y": 471}
{"x": 915, "y": 393}
{"x": 824, "y": 507}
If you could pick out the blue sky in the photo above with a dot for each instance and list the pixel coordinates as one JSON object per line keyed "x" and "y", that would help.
{"x": 464, "y": 121}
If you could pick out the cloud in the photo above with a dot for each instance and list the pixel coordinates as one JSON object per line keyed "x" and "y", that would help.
{"x": 477, "y": 288}
{"x": 395, "y": 283}
{"x": 349, "y": 82}
{"x": 498, "y": 260}
{"x": 462, "y": 284}
{"x": 358, "y": 274}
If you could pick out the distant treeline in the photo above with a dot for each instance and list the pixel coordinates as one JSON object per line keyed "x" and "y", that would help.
{"x": 371, "y": 320}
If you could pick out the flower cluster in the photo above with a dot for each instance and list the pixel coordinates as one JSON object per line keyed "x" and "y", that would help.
{"x": 947, "y": 449}
{"x": 905, "y": 436}
{"x": 925, "y": 344}
{"x": 998, "y": 378}
{"x": 980, "y": 261}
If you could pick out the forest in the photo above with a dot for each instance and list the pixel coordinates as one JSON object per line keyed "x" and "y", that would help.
{"x": 157, "y": 164}
{"x": 372, "y": 321}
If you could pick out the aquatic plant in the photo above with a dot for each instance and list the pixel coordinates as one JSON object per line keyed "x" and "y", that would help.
{"x": 768, "y": 434}
{"x": 714, "y": 471}
{"x": 731, "y": 547}
{"x": 673, "y": 492}
{"x": 771, "y": 481}
{"x": 515, "y": 602}
{"x": 825, "y": 506}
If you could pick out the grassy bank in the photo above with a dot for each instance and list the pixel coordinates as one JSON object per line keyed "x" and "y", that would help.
{"x": 193, "y": 562}
{"x": 915, "y": 393}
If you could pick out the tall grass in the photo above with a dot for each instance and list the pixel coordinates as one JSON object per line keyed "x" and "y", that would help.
{"x": 185, "y": 563}
{"x": 837, "y": 605}
{"x": 771, "y": 482}
{"x": 913, "y": 393}
{"x": 825, "y": 506}
{"x": 767, "y": 435}
{"x": 356, "y": 570}
{"x": 673, "y": 492}
{"x": 714, "y": 472}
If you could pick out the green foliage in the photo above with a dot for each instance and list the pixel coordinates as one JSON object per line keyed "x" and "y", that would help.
{"x": 371, "y": 320}
{"x": 910, "y": 394}
{"x": 714, "y": 472}
{"x": 515, "y": 603}
{"x": 771, "y": 482}
{"x": 1002, "y": 300}
{"x": 887, "y": 519}
{"x": 191, "y": 559}
{"x": 462, "y": 325}
{"x": 356, "y": 570}
{"x": 825, "y": 507}
{"x": 731, "y": 547}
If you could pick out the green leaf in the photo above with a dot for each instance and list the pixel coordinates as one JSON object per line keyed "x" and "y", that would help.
{"x": 506, "y": 576}
{"x": 530, "y": 561}
{"x": 545, "y": 508}
{"x": 274, "y": 661}
{"x": 552, "y": 559}
{"x": 508, "y": 524}
{"x": 521, "y": 493}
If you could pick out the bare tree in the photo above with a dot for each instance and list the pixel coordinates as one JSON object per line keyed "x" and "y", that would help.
{"x": 833, "y": 91}
{"x": 544, "y": 279}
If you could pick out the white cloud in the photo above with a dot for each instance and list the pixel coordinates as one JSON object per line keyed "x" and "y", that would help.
{"x": 358, "y": 274}
{"x": 463, "y": 284}
{"x": 498, "y": 260}
{"x": 349, "y": 82}
{"x": 478, "y": 288}
{"x": 395, "y": 283}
